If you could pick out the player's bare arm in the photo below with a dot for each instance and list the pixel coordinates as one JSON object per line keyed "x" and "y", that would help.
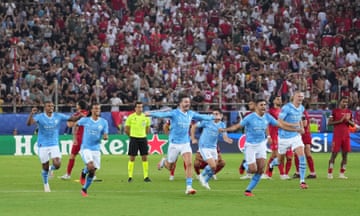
{"x": 227, "y": 139}
{"x": 30, "y": 120}
{"x": 192, "y": 134}
{"x": 231, "y": 128}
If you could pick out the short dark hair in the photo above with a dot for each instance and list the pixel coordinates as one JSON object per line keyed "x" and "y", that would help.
{"x": 82, "y": 104}
{"x": 259, "y": 100}
{"x": 94, "y": 104}
{"x": 182, "y": 96}
{"x": 137, "y": 102}
{"x": 218, "y": 110}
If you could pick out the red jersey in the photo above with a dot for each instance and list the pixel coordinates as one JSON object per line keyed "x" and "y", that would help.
{"x": 306, "y": 136}
{"x": 341, "y": 129}
{"x": 273, "y": 130}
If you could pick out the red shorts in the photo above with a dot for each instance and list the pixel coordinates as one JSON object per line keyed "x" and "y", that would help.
{"x": 306, "y": 139}
{"x": 341, "y": 144}
{"x": 76, "y": 148}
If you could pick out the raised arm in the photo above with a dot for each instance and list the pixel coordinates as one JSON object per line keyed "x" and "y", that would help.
{"x": 31, "y": 120}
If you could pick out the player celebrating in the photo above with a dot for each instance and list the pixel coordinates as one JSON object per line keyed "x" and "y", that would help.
{"x": 208, "y": 144}
{"x": 255, "y": 125}
{"x": 179, "y": 139}
{"x": 291, "y": 115}
{"x": 95, "y": 128}
{"x": 48, "y": 138}
{"x": 81, "y": 110}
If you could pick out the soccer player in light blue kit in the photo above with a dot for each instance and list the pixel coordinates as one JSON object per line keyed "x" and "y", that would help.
{"x": 208, "y": 144}
{"x": 255, "y": 125}
{"x": 95, "y": 128}
{"x": 291, "y": 114}
{"x": 179, "y": 139}
{"x": 49, "y": 123}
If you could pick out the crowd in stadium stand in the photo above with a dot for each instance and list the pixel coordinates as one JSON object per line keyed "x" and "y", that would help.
{"x": 118, "y": 51}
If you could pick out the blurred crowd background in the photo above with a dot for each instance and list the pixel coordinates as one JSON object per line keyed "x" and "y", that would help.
{"x": 220, "y": 52}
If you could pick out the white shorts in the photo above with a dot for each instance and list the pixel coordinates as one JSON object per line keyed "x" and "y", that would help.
{"x": 47, "y": 153}
{"x": 254, "y": 151}
{"x": 208, "y": 153}
{"x": 293, "y": 143}
{"x": 91, "y": 156}
{"x": 174, "y": 150}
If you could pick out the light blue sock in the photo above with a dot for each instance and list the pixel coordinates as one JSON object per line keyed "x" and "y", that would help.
{"x": 45, "y": 175}
{"x": 189, "y": 182}
{"x": 52, "y": 167}
{"x": 246, "y": 166}
{"x": 254, "y": 181}
{"x": 302, "y": 168}
{"x": 209, "y": 173}
{"x": 273, "y": 163}
{"x": 88, "y": 182}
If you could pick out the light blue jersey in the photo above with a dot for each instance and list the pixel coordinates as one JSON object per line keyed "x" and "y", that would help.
{"x": 93, "y": 131}
{"x": 289, "y": 113}
{"x": 180, "y": 123}
{"x": 255, "y": 127}
{"x": 210, "y": 134}
{"x": 49, "y": 127}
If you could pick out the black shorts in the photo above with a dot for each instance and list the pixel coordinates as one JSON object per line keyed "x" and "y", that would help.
{"x": 138, "y": 144}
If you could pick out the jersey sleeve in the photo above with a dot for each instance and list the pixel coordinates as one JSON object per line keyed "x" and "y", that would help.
{"x": 272, "y": 120}
{"x": 63, "y": 117}
{"x": 284, "y": 112}
{"x": 148, "y": 122}
{"x": 168, "y": 114}
{"x": 36, "y": 118}
{"x": 245, "y": 121}
{"x": 205, "y": 117}
{"x": 106, "y": 127}
{"x": 128, "y": 120}
{"x": 81, "y": 122}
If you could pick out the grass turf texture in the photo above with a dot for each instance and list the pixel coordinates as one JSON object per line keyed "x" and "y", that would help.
{"x": 21, "y": 191}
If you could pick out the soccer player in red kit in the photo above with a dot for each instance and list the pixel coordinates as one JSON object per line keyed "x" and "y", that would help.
{"x": 306, "y": 138}
{"x": 81, "y": 109}
{"x": 341, "y": 118}
{"x": 274, "y": 110}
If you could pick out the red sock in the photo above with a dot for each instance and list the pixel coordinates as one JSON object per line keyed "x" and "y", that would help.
{"x": 342, "y": 170}
{"x": 172, "y": 171}
{"x": 330, "y": 170}
{"x": 297, "y": 163}
{"x": 268, "y": 167}
{"x": 281, "y": 169}
{"x": 310, "y": 162}
{"x": 70, "y": 166}
{"x": 218, "y": 168}
{"x": 288, "y": 165}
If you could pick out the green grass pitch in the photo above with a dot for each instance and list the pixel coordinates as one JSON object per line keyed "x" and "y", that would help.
{"x": 21, "y": 191}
